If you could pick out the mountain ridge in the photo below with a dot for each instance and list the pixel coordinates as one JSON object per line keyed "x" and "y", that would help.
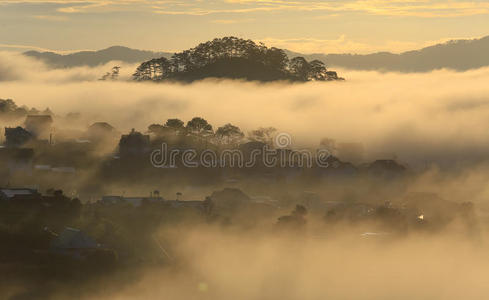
{"x": 95, "y": 58}
{"x": 459, "y": 55}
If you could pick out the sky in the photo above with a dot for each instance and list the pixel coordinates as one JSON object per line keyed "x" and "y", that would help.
{"x": 332, "y": 26}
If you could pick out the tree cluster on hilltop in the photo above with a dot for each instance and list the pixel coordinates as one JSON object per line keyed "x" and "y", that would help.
{"x": 9, "y": 110}
{"x": 235, "y": 58}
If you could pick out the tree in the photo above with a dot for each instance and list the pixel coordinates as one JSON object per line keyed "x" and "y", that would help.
{"x": 7, "y": 106}
{"x": 10, "y": 110}
{"x": 300, "y": 68}
{"x": 174, "y": 123}
{"x": 156, "y": 69}
{"x": 229, "y": 134}
{"x": 157, "y": 129}
{"x": 318, "y": 71}
{"x": 262, "y": 134}
{"x": 276, "y": 58}
{"x": 199, "y": 126}
{"x": 113, "y": 75}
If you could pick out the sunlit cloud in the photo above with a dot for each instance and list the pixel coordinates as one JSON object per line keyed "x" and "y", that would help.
{"x": 413, "y": 8}
{"x": 426, "y": 9}
{"x": 308, "y": 26}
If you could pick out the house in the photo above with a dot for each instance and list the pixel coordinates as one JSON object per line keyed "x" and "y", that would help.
{"x": 138, "y": 201}
{"x": 111, "y": 200}
{"x": 134, "y": 201}
{"x": 101, "y": 127}
{"x": 73, "y": 242}
{"x": 16, "y": 137}
{"x": 10, "y": 194}
{"x": 196, "y": 204}
{"x": 134, "y": 144}
{"x": 230, "y": 197}
{"x": 64, "y": 170}
{"x": 38, "y": 125}
{"x": 100, "y": 131}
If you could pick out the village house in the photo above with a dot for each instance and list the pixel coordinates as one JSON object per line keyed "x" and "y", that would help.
{"x": 134, "y": 201}
{"x": 12, "y": 194}
{"x": 134, "y": 144}
{"x": 74, "y": 243}
{"x": 16, "y": 137}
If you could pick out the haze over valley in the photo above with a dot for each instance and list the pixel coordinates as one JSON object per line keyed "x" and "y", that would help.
{"x": 253, "y": 150}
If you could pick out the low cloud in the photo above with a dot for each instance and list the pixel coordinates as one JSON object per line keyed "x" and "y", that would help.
{"x": 440, "y": 116}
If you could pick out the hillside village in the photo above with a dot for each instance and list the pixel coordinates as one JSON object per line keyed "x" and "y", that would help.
{"x": 94, "y": 198}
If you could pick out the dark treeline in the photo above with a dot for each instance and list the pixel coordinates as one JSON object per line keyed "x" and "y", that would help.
{"x": 9, "y": 110}
{"x": 234, "y": 58}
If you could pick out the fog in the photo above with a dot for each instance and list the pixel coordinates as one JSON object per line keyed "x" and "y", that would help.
{"x": 430, "y": 122}
{"x": 234, "y": 265}
{"x": 441, "y": 115}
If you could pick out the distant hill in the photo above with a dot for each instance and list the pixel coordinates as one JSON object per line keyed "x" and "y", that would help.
{"x": 460, "y": 55}
{"x": 95, "y": 58}
{"x": 233, "y": 58}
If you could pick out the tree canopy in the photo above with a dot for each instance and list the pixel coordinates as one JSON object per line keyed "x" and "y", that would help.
{"x": 232, "y": 57}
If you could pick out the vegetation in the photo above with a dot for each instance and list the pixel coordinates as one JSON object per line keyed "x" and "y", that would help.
{"x": 9, "y": 110}
{"x": 112, "y": 75}
{"x": 235, "y": 58}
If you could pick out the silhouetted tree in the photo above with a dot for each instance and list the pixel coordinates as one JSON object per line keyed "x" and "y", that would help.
{"x": 300, "y": 67}
{"x": 174, "y": 123}
{"x": 229, "y": 134}
{"x": 156, "y": 69}
{"x": 10, "y": 110}
{"x": 317, "y": 70}
{"x": 113, "y": 75}
{"x": 199, "y": 126}
{"x": 157, "y": 129}
{"x": 276, "y": 58}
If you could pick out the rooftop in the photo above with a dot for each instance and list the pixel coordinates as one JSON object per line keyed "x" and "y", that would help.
{"x": 10, "y": 193}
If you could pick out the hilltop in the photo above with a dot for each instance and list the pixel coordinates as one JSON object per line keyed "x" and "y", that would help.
{"x": 233, "y": 58}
